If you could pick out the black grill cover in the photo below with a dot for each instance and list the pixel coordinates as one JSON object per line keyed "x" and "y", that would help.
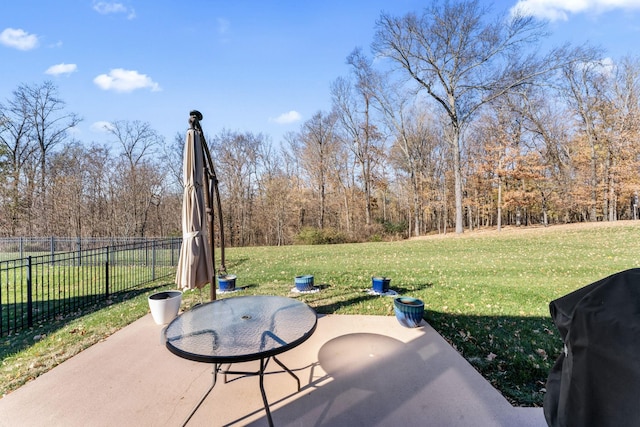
{"x": 596, "y": 381}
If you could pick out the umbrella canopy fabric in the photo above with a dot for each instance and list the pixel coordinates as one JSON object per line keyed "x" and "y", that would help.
{"x": 195, "y": 267}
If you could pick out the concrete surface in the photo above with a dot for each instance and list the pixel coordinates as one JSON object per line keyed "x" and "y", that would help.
{"x": 354, "y": 371}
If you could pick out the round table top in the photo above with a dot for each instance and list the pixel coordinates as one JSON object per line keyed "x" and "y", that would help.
{"x": 240, "y": 329}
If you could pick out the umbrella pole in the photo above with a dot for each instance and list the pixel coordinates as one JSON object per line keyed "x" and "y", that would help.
{"x": 210, "y": 191}
{"x": 216, "y": 193}
{"x": 208, "y": 202}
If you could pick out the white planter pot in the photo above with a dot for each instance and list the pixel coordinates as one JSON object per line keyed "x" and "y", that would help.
{"x": 164, "y": 306}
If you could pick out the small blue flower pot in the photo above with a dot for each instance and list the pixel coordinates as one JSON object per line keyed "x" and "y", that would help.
{"x": 380, "y": 284}
{"x": 304, "y": 283}
{"x": 227, "y": 282}
{"x": 409, "y": 311}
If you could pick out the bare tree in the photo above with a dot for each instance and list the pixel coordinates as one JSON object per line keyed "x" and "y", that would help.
{"x": 171, "y": 156}
{"x": 17, "y": 150}
{"x": 66, "y": 179}
{"x": 627, "y": 91}
{"x": 548, "y": 126}
{"x": 137, "y": 139}
{"x": 317, "y": 153}
{"x": 620, "y": 120}
{"x": 584, "y": 93}
{"x": 236, "y": 157}
{"x": 353, "y": 105}
{"x": 138, "y": 177}
{"x": 410, "y": 124}
{"x": 462, "y": 62}
{"x": 49, "y": 126}
{"x": 275, "y": 187}
{"x": 96, "y": 178}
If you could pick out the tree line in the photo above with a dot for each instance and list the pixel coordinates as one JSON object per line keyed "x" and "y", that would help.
{"x": 453, "y": 122}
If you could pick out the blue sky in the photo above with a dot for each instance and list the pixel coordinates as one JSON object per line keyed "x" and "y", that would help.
{"x": 260, "y": 66}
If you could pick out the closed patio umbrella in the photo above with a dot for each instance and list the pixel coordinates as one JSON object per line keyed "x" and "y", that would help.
{"x": 196, "y": 263}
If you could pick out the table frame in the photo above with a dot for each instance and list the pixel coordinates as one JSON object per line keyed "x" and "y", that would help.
{"x": 264, "y": 357}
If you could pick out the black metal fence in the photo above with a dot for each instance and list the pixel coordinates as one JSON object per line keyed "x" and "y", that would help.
{"x": 21, "y": 247}
{"x": 39, "y": 288}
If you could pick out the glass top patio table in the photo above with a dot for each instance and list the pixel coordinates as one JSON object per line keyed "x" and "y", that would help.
{"x": 240, "y": 329}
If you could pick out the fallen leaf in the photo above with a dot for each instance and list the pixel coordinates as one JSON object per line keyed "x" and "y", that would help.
{"x": 542, "y": 353}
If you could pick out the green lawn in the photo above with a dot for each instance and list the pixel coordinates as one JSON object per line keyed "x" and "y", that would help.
{"x": 487, "y": 293}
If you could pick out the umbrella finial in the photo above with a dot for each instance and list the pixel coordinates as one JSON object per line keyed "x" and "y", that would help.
{"x": 194, "y": 118}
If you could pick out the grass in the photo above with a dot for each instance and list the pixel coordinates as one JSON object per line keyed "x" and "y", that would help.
{"x": 487, "y": 293}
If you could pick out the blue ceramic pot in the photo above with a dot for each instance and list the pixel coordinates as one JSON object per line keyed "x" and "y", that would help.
{"x": 227, "y": 282}
{"x": 409, "y": 311}
{"x": 304, "y": 283}
{"x": 380, "y": 284}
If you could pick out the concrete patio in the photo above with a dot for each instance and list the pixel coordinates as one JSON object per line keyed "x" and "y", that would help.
{"x": 354, "y": 371}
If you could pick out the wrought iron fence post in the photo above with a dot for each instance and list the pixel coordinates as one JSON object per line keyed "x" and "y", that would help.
{"x": 173, "y": 245}
{"x": 29, "y": 294}
{"x": 79, "y": 243}
{"x": 52, "y": 249}
{"x": 153, "y": 260}
{"x": 106, "y": 274}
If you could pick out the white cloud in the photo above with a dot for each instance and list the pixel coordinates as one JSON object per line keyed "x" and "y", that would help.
{"x": 555, "y": 10}
{"x": 101, "y": 126}
{"x": 287, "y": 118}
{"x": 608, "y": 64}
{"x": 605, "y": 66}
{"x": 56, "y": 70}
{"x": 121, "y": 80}
{"x": 19, "y": 39}
{"x": 106, "y": 8}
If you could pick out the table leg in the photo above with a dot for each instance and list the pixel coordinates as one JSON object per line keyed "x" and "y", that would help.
{"x": 288, "y": 370}
{"x": 216, "y": 367}
{"x": 263, "y": 366}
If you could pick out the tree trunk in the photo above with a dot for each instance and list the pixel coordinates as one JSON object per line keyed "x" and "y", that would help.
{"x": 499, "y": 208}
{"x": 457, "y": 175}
{"x": 416, "y": 203}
